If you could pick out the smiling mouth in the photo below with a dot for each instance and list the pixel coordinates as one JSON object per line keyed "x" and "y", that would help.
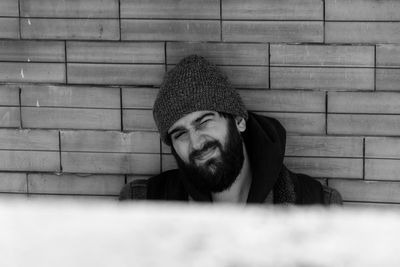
{"x": 207, "y": 154}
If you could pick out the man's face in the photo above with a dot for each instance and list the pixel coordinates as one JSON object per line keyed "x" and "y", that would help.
{"x": 208, "y": 148}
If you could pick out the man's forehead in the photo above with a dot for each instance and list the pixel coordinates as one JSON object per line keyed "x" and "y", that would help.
{"x": 190, "y": 118}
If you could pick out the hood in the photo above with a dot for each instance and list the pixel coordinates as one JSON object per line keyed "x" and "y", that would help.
{"x": 266, "y": 163}
{"x": 265, "y": 140}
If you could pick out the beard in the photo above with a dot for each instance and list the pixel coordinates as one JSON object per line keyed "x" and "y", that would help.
{"x": 219, "y": 173}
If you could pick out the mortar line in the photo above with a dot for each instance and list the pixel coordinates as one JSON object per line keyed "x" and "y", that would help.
{"x": 121, "y": 109}
{"x": 323, "y": 22}
{"x": 65, "y": 59}
{"x": 119, "y": 19}
{"x": 59, "y": 149}
{"x": 363, "y": 169}
{"x": 20, "y": 107}
{"x": 220, "y": 20}
{"x": 374, "y": 67}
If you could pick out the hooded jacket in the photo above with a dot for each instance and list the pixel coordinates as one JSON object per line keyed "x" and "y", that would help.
{"x": 272, "y": 182}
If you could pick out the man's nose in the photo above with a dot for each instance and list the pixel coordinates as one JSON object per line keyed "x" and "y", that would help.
{"x": 196, "y": 140}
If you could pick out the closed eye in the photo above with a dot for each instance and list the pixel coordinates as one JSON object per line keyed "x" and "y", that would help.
{"x": 178, "y": 134}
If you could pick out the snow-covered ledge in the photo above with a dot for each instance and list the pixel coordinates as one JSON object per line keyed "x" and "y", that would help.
{"x": 54, "y": 233}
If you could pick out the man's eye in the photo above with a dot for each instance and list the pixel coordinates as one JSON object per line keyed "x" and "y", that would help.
{"x": 204, "y": 123}
{"x": 178, "y": 135}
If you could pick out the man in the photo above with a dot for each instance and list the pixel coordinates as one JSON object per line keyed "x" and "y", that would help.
{"x": 224, "y": 152}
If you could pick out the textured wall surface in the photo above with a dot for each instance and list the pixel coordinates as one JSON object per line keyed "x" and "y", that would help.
{"x": 78, "y": 79}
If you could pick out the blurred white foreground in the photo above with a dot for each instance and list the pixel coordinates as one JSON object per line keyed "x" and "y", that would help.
{"x": 57, "y": 234}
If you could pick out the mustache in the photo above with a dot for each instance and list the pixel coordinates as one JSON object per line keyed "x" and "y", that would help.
{"x": 197, "y": 153}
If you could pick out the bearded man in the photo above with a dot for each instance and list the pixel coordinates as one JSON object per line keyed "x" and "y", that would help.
{"x": 224, "y": 153}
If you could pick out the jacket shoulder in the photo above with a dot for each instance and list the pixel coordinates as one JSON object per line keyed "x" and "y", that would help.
{"x": 311, "y": 191}
{"x": 331, "y": 196}
{"x": 136, "y": 189}
{"x": 164, "y": 186}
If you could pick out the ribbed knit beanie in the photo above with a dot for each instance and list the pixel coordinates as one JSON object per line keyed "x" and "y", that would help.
{"x": 194, "y": 85}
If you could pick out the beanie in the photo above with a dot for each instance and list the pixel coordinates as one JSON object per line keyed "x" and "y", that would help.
{"x": 194, "y": 85}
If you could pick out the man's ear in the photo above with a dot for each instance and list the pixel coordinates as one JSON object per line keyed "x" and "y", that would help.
{"x": 240, "y": 123}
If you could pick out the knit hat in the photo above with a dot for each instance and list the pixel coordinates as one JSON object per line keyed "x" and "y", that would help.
{"x": 194, "y": 85}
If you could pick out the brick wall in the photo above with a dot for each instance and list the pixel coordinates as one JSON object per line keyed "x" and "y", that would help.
{"x": 78, "y": 79}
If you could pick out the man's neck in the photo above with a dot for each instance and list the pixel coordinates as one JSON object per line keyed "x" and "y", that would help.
{"x": 239, "y": 190}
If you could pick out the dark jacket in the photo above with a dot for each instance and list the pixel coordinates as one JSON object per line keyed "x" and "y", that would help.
{"x": 265, "y": 140}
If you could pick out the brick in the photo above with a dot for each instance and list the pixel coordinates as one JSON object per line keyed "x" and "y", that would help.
{"x": 32, "y": 51}
{"x": 115, "y": 52}
{"x": 272, "y": 10}
{"x": 29, "y": 140}
{"x": 278, "y": 101}
{"x": 168, "y": 163}
{"x": 70, "y": 9}
{"x": 71, "y": 118}
{"x": 110, "y": 141}
{"x": 173, "y": 9}
{"x": 110, "y": 163}
{"x": 220, "y": 53}
{"x": 75, "y": 184}
{"x": 388, "y": 79}
{"x": 247, "y": 77}
{"x": 362, "y": 32}
{"x": 137, "y": 119}
{"x": 70, "y": 96}
{"x": 322, "y": 78}
{"x": 300, "y": 123}
{"x": 138, "y": 97}
{"x": 40, "y": 161}
{"x": 13, "y": 182}
{"x": 115, "y": 74}
{"x": 360, "y": 124}
{"x": 324, "y": 146}
{"x": 73, "y": 29}
{"x": 322, "y": 55}
{"x": 9, "y": 8}
{"x": 361, "y": 102}
{"x": 9, "y": 117}
{"x": 170, "y": 30}
{"x": 382, "y": 147}
{"x": 382, "y": 169}
{"x": 9, "y": 95}
{"x": 72, "y": 198}
{"x": 374, "y": 191}
{"x": 366, "y": 10}
{"x": 272, "y": 31}
{"x": 9, "y": 28}
{"x": 32, "y": 72}
{"x": 326, "y": 167}
{"x": 388, "y": 56}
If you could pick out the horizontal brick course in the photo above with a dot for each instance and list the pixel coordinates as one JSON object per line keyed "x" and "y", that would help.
{"x": 75, "y": 184}
{"x": 72, "y": 29}
{"x": 69, "y": 9}
{"x": 32, "y": 51}
{"x": 365, "y": 10}
{"x": 9, "y": 28}
{"x": 170, "y": 30}
{"x": 9, "y": 8}
{"x": 172, "y": 9}
{"x": 272, "y": 31}
{"x": 270, "y": 10}
{"x": 115, "y": 52}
